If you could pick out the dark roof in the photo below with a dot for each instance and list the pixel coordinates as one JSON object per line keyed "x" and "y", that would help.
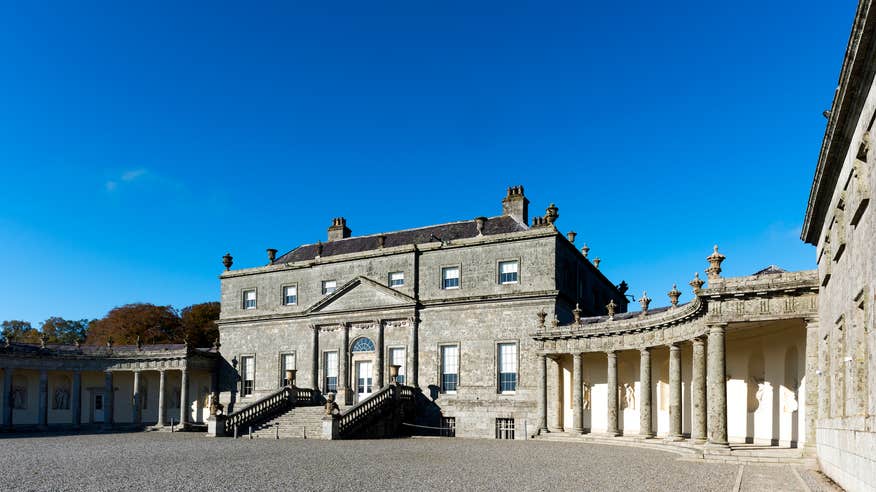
{"x": 770, "y": 270}
{"x": 62, "y": 349}
{"x": 445, "y": 232}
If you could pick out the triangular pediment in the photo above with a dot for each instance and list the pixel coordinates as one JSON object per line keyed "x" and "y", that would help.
{"x": 361, "y": 294}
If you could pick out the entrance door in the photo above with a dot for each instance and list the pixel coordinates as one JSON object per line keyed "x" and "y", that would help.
{"x": 364, "y": 382}
{"x": 97, "y": 407}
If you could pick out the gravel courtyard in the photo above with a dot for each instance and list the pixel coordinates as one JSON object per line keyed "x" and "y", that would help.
{"x": 181, "y": 461}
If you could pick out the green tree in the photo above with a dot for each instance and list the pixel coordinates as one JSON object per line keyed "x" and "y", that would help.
{"x": 60, "y": 330}
{"x": 153, "y": 324}
{"x": 20, "y": 331}
{"x": 199, "y": 323}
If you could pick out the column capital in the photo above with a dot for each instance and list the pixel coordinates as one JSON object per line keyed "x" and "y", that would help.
{"x": 611, "y": 354}
{"x": 811, "y": 321}
{"x": 674, "y": 347}
{"x": 645, "y": 350}
{"x": 577, "y": 355}
{"x": 716, "y": 327}
{"x": 698, "y": 341}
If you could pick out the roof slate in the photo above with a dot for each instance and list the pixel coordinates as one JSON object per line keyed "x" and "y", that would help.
{"x": 445, "y": 232}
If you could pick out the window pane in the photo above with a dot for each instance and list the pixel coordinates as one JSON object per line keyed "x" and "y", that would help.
{"x": 450, "y": 359}
{"x": 508, "y": 267}
{"x": 331, "y": 364}
{"x": 396, "y": 279}
{"x": 452, "y": 272}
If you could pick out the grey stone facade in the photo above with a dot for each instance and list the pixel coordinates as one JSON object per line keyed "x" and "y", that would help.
{"x": 840, "y": 222}
{"x": 420, "y": 316}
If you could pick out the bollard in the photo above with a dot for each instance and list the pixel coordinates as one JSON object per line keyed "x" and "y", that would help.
{"x": 250, "y": 432}
{"x": 171, "y": 425}
{"x": 278, "y": 431}
{"x": 235, "y": 431}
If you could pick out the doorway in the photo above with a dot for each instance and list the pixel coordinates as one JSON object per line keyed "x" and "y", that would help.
{"x": 364, "y": 380}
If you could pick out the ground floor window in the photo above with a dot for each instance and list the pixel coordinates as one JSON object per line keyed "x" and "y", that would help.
{"x": 331, "y": 372}
{"x": 507, "y": 364}
{"x": 448, "y": 426}
{"x": 397, "y": 358}
{"x": 449, "y": 368}
{"x": 504, "y": 428}
{"x": 247, "y": 369}
{"x": 287, "y": 363}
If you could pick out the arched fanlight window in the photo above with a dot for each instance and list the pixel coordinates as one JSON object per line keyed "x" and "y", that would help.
{"x": 363, "y": 345}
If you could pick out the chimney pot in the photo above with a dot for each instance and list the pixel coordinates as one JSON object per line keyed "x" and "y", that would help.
{"x": 338, "y": 229}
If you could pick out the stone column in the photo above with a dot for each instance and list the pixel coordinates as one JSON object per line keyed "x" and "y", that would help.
{"x": 7, "y": 397}
{"x": 675, "y": 392}
{"x": 42, "y": 418}
{"x": 135, "y": 400}
{"x": 717, "y": 394}
{"x": 346, "y": 395}
{"x": 162, "y": 377}
{"x": 378, "y": 354}
{"x": 542, "y": 393}
{"x": 812, "y": 382}
{"x": 698, "y": 391}
{"x": 578, "y": 393}
{"x": 559, "y": 420}
{"x": 314, "y": 360}
{"x": 76, "y": 399}
{"x": 108, "y": 403}
{"x": 414, "y": 345}
{"x": 184, "y": 409}
{"x": 645, "y": 428}
{"x": 611, "y": 390}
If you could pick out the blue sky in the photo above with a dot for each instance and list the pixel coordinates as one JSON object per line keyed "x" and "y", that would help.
{"x": 139, "y": 143}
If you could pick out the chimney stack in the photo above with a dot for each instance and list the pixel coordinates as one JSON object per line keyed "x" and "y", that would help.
{"x": 516, "y": 205}
{"x": 339, "y": 229}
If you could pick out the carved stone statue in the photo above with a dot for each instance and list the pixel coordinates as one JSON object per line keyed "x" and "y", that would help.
{"x": 587, "y": 389}
{"x": 331, "y": 407}
{"x": 61, "y": 400}
{"x": 19, "y": 397}
{"x": 629, "y": 396}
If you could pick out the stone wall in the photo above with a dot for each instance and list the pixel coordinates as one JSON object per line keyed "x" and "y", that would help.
{"x": 847, "y": 337}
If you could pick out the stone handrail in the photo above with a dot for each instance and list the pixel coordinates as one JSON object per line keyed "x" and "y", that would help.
{"x": 376, "y": 403}
{"x": 268, "y": 406}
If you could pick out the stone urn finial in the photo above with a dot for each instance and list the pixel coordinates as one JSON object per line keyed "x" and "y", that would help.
{"x": 644, "y": 301}
{"x": 480, "y": 222}
{"x": 139, "y": 343}
{"x": 272, "y": 255}
{"x": 542, "y": 315}
{"x": 715, "y": 259}
{"x": 109, "y": 343}
{"x": 227, "y": 260}
{"x": 576, "y": 313}
{"x": 552, "y": 214}
{"x": 571, "y": 235}
{"x": 610, "y": 307}
{"x": 393, "y": 373}
{"x": 381, "y": 241}
{"x": 696, "y": 283}
{"x": 596, "y": 262}
{"x": 585, "y": 250}
{"x": 290, "y": 377}
{"x": 623, "y": 287}
{"x": 216, "y": 344}
{"x": 674, "y": 294}
{"x": 77, "y": 343}
{"x": 555, "y": 322}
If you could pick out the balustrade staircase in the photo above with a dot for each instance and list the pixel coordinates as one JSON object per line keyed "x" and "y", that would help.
{"x": 380, "y": 415}
{"x": 265, "y": 409}
{"x": 299, "y": 422}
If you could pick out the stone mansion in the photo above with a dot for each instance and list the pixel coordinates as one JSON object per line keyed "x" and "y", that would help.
{"x": 504, "y": 327}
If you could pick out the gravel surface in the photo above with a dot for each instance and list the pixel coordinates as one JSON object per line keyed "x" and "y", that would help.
{"x": 183, "y": 461}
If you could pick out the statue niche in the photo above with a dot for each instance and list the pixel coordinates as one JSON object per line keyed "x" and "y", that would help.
{"x": 61, "y": 396}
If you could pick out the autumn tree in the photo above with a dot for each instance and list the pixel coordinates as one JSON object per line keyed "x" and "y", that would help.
{"x": 20, "y": 331}
{"x": 60, "y": 330}
{"x": 199, "y": 323}
{"x": 153, "y": 324}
